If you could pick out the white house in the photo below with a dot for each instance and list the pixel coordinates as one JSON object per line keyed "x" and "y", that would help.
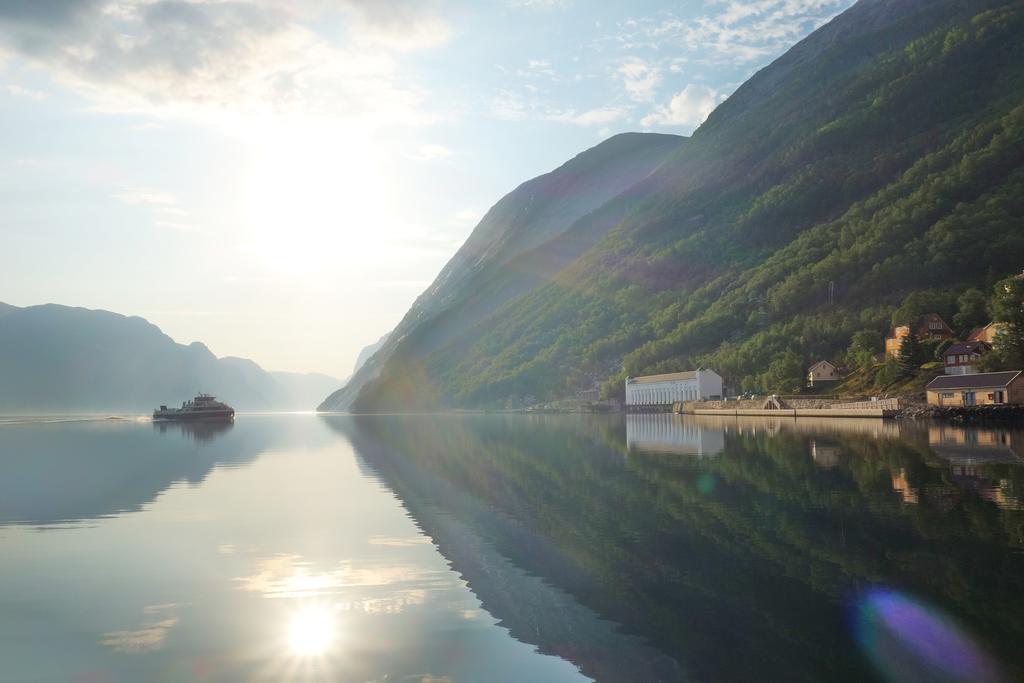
{"x": 662, "y": 390}
{"x": 822, "y": 371}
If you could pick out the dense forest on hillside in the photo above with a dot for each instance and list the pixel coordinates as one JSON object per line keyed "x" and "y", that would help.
{"x": 874, "y": 172}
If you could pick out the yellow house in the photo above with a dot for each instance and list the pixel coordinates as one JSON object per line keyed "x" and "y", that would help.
{"x": 980, "y": 389}
{"x": 928, "y": 326}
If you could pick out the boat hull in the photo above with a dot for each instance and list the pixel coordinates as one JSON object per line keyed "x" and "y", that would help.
{"x": 177, "y": 415}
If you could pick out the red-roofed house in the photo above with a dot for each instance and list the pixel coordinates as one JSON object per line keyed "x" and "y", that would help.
{"x": 962, "y": 358}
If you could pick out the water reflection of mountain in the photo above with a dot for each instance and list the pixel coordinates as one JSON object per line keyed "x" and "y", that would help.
{"x": 738, "y": 567}
{"x": 74, "y": 471}
{"x": 466, "y": 529}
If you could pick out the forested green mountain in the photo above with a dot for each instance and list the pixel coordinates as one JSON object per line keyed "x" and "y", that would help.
{"x": 875, "y": 170}
{"x": 58, "y": 358}
{"x": 509, "y": 253}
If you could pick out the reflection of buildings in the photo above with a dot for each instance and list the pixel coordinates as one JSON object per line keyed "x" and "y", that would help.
{"x": 201, "y": 431}
{"x": 811, "y": 426}
{"x": 901, "y": 484}
{"x": 969, "y": 450}
{"x": 972, "y": 445}
{"x": 672, "y": 434}
{"x": 824, "y": 456}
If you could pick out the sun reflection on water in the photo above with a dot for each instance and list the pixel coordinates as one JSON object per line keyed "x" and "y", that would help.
{"x": 312, "y": 632}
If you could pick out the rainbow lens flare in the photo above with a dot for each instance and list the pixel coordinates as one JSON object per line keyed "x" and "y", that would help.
{"x": 907, "y": 640}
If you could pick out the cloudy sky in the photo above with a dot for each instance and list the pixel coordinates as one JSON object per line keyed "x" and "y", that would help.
{"x": 281, "y": 178}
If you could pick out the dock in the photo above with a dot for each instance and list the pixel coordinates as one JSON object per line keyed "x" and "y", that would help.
{"x": 883, "y": 408}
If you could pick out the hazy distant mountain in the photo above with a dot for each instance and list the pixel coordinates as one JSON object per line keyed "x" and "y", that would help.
{"x": 876, "y": 167}
{"x": 367, "y": 353}
{"x": 500, "y": 260}
{"x": 58, "y": 358}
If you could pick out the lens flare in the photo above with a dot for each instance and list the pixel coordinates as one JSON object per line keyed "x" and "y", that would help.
{"x": 907, "y": 640}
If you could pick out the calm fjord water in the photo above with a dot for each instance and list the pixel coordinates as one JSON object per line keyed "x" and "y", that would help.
{"x": 510, "y": 547}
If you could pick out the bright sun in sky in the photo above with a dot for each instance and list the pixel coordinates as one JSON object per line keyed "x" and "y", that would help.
{"x": 311, "y": 632}
{"x": 314, "y": 194}
{"x": 281, "y": 180}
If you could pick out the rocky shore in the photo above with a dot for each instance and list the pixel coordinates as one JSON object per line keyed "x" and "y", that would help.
{"x": 995, "y": 413}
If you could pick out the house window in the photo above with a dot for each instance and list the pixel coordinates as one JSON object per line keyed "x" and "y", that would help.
{"x": 946, "y": 394}
{"x": 950, "y": 360}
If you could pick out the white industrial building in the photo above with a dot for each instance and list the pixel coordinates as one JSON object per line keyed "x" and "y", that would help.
{"x": 662, "y": 390}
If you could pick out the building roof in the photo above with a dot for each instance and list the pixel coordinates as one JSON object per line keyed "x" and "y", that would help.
{"x": 977, "y": 332}
{"x": 819, "y": 364}
{"x": 920, "y": 326}
{"x": 981, "y": 380}
{"x": 967, "y": 347}
{"x": 669, "y": 377}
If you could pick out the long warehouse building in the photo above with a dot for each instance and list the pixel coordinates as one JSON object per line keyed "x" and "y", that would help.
{"x": 661, "y": 390}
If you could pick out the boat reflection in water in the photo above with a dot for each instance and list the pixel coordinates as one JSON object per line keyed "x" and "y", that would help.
{"x": 200, "y": 431}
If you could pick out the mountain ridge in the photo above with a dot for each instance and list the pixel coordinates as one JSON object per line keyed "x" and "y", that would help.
{"x": 547, "y": 206}
{"x": 66, "y": 358}
{"x": 864, "y": 157}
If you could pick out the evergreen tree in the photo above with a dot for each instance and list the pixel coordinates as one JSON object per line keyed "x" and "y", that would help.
{"x": 1008, "y": 308}
{"x": 910, "y": 354}
{"x": 972, "y": 309}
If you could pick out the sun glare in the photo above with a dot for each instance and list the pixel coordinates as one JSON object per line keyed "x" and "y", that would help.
{"x": 311, "y": 632}
{"x": 311, "y": 195}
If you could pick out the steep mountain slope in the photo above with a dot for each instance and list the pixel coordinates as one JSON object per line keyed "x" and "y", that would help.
{"x": 882, "y": 157}
{"x": 506, "y": 255}
{"x": 57, "y": 358}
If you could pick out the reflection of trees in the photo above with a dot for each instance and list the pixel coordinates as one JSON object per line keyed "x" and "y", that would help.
{"x": 738, "y": 566}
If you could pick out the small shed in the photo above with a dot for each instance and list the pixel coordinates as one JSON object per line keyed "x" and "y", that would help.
{"x": 822, "y": 371}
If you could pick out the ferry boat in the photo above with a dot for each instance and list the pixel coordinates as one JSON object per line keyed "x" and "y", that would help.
{"x": 202, "y": 407}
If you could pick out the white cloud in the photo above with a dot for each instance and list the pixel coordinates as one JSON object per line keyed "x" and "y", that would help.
{"x": 468, "y": 217}
{"x": 740, "y": 32}
{"x": 163, "y": 206}
{"x": 158, "y": 620}
{"x": 599, "y": 116}
{"x": 687, "y": 108}
{"x": 137, "y": 197}
{"x": 16, "y": 90}
{"x": 540, "y": 4}
{"x": 510, "y": 106}
{"x": 236, "y": 58}
{"x": 640, "y": 78}
{"x": 430, "y": 152}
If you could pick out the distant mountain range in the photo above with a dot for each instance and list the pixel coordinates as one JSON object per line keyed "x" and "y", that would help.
{"x": 875, "y": 168}
{"x": 61, "y": 359}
